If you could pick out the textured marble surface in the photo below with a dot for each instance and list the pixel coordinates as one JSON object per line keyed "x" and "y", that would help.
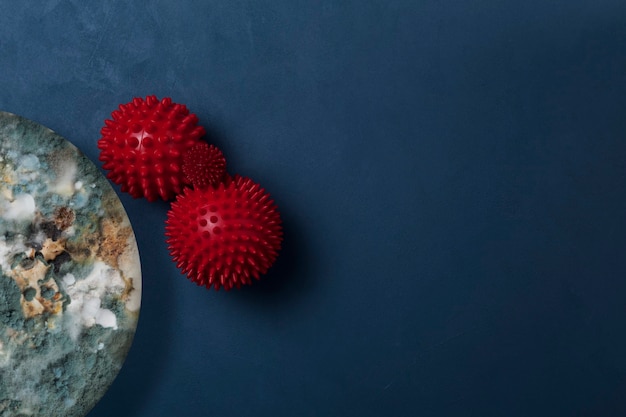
{"x": 70, "y": 287}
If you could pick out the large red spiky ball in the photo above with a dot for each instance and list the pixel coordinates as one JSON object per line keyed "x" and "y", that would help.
{"x": 204, "y": 165}
{"x": 143, "y": 145}
{"x": 223, "y": 236}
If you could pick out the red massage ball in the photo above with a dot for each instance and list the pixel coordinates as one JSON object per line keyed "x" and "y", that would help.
{"x": 224, "y": 235}
{"x": 204, "y": 165}
{"x": 143, "y": 145}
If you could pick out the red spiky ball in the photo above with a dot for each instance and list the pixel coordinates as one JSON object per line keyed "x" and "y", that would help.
{"x": 204, "y": 165}
{"x": 142, "y": 146}
{"x": 223, "y": 236}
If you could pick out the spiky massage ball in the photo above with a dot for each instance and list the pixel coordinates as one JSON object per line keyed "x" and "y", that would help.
{"x": 223, "y": 236}
{"x": 204, "y": 165}
{"x": 143, "y": 145}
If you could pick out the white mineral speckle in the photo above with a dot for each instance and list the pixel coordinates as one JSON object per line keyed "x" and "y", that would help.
{"x": 66, "y": 178}
{"x": 86, "y": 295}
{"x": 106, "y": 318}
{"x": 22, "y": 208}
{"x": 28, "y": 162}
{"x": 7, "y": 252}
{"x": 27, "y": 168}
{"x": 69, "y": 280}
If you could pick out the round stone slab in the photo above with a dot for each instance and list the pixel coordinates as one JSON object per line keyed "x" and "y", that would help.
{"x": 70, "y": 285}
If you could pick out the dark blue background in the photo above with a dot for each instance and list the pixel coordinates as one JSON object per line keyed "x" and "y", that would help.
{"x": 452, "y": 179}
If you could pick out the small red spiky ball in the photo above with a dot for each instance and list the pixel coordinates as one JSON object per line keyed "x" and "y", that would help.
{"x": 204, "y": 165}
{"x": 223, "y": 236}
{"x": 142, "y": 146}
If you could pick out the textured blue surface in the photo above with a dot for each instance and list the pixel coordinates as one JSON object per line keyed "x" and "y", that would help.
{"x": 452, "y": 179}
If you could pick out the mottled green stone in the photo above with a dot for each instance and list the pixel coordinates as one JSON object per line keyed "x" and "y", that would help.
{"x": 70, "y": 280}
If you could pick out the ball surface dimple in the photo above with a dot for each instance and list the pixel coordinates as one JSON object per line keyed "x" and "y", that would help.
{"x": 219, "y": 246}
{"x": 143, "y": 144}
